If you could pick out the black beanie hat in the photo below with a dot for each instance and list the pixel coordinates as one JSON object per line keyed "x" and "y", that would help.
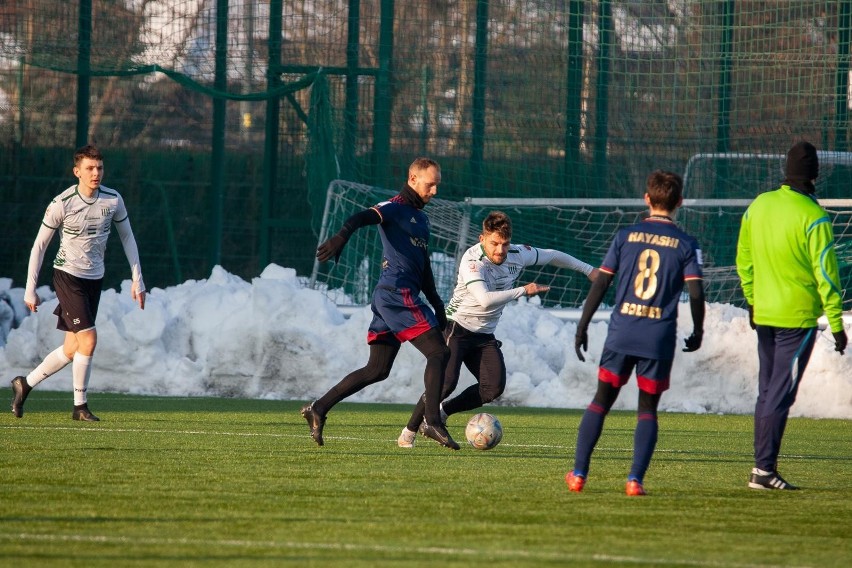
{"x": 802, "y": 166}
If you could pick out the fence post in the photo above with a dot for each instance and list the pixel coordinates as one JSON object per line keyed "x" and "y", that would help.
{"x": 602, "y": 87}
{"x": 84, "y": 49}
{"x": 574, "y": 90}
{"x": 273, "y": 108}
{"x": 841, "y": 109}
{"x": 350, "y": 122}
{"x": 480, "y": 80}
{"x": 217, "y": 157}
{"x": 383, "y": 101}
{"x": 723, "y": 124}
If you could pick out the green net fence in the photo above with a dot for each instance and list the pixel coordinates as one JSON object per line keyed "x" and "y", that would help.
{"x": 223, "y": 121}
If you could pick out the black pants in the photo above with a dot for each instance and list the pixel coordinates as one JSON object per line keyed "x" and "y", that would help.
{"x": 480, "y": 353}
{"x": 783, "y": 354}
{"x": 378, "y": 368}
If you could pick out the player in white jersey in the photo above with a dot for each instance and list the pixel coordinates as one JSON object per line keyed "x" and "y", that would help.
{"x": 487, "y": 278}
{"x": 83, "y": 214}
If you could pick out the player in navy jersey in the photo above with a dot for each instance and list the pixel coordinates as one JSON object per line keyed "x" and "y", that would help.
{"x": 398, "y": 312}
{"x": 653, "y": 260}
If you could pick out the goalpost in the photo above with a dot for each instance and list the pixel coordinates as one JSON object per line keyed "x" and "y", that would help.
{"x": 580, "y": 227}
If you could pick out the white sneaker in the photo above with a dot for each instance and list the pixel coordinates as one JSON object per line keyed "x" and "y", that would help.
{"x": 406, "y": 438}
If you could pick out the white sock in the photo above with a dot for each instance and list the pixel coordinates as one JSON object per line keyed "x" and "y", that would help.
{"x": 758, "y": 471}
{"x": 81, "y": 370}
{"x": 54, "y": 362}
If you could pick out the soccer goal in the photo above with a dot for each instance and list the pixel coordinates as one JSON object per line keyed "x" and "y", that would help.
{"x": 738, "y": 175}
{"x": 580, "y": 227}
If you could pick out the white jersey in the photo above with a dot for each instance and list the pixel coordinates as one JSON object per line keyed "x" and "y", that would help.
{"x": 483, "y": 288}
{"x": 84, "y": 226}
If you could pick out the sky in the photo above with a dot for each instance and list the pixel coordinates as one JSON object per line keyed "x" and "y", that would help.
{"x": 271, "y": 338}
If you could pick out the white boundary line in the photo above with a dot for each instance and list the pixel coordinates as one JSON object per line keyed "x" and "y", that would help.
{"x": 429, "y": 550}
{"x": 308, "y": 443}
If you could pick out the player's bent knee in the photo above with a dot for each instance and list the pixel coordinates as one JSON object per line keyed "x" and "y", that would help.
{"x": 490, "y": 393}
{"x": 440, "y": 355}
{"x": 379, "y": 373}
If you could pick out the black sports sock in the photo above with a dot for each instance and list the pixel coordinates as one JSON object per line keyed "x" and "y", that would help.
{"x": 432, "y": 345}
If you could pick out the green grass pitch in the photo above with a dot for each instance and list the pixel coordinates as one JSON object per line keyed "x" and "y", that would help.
{"x": 226, "y": 482}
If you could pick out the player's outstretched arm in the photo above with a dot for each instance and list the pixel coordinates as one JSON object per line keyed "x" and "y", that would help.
{"x": 560, "y": 259}
{"x": 696, "y": 306}
{"x": 334, "y": 246}
{"x": 593, "y": 302}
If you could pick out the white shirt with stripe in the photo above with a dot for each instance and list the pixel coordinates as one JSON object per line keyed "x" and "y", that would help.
{"x": 483, "y": 288}
{"x": 84, "y": 225}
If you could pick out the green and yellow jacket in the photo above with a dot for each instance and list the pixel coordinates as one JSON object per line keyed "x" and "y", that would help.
{"x": 787, "y": 263}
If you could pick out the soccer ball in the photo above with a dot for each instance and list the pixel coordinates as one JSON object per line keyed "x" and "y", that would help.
{"x": 483, "y": 431}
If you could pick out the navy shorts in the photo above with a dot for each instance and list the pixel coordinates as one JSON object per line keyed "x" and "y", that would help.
{"x": 78, "y": 301}
{"x": 398, "y": 316}
{"x": 652, "y": 375}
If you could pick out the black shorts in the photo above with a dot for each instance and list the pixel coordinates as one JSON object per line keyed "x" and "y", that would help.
{"x": 78, "y": 301}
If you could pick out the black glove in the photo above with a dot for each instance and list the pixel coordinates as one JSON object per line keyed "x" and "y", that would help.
{"x": 751, "y": 316}
{"x": 581, "y": 343}
{"x": 331, "y": 248}
{"x": 693, "y": 342}
{"x": 840, "y": 341}
{"x": 442, "y": 317}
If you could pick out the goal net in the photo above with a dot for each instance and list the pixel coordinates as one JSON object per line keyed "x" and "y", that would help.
{"x": 741, "y": 175}
{"x": 580, "y": 227}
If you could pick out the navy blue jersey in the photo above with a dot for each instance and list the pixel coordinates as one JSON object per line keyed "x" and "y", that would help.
{"x": 652, "y": 259}
{"x": 405, "y": 239}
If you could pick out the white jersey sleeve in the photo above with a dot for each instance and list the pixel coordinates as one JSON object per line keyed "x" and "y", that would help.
{"x": 45, "y": 235}
{"x": 488, "y": 299}
{"x": 560, "y": 259}
{"x": 54, "y": 217}
{"x": 128, "y": 242}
